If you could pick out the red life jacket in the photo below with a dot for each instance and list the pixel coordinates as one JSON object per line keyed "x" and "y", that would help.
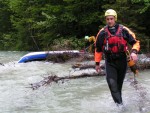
{"x": 114, "y": 43}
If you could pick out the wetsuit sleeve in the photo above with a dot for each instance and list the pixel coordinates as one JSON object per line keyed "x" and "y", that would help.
{"x": 131, "y": 39}
{"x": 98, "y": 46}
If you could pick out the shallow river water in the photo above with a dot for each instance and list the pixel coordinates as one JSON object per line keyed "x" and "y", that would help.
{"x": 86, "y": 95}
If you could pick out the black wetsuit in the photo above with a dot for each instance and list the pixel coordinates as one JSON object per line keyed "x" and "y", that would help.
{"x": 116, "y": 64}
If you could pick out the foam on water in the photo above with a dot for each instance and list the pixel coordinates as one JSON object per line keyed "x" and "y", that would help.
{"x": 87, "y": 95}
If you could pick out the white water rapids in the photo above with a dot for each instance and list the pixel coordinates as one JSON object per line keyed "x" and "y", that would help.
{"x": 86, "y": 95}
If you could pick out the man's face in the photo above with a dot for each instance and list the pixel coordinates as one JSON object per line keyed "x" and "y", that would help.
{"x": 110, "y": 20}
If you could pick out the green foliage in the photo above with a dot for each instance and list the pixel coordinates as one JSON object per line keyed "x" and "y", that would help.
{"x": 67, "y": 44}
{"x": 44, "y": 24}
{"x": 145, "y": 3}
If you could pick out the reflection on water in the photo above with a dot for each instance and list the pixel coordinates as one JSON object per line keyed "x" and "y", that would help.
{"x": 87, "y": 95}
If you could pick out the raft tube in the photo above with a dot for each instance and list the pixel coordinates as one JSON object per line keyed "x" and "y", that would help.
{"x": 37, "y": 56}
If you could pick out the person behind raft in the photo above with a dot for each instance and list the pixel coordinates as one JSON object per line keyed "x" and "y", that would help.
{"x": 89, "y": 43}
{"x": 112, "y": 41}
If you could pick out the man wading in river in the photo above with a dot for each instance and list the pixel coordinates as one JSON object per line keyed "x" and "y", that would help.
{"x": 112, "y": 41}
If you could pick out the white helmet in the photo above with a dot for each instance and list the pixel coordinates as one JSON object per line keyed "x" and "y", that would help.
{"x": 111, "y": 12}
{"x": 86, "y": 37}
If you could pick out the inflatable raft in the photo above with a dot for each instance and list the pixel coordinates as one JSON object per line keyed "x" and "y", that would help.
{"x": 37, "y": 56}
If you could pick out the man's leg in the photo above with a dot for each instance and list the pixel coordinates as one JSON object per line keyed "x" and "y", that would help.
{"x": 121, "y": 74}
{"x": 111, "y": 77}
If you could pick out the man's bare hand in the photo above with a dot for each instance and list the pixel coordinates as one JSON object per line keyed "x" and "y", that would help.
{"x": 134, "y": 57}
{"x": 97, "y": 68}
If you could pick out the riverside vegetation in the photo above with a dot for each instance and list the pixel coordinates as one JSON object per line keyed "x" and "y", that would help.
{"x": 32, "y": 25}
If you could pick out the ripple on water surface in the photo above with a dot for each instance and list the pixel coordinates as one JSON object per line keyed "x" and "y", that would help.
{"x": 87, "y": 95}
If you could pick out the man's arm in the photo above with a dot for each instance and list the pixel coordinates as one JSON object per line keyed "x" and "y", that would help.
{"x": 131, "y": 39}
{"x": 98, "y": 46}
